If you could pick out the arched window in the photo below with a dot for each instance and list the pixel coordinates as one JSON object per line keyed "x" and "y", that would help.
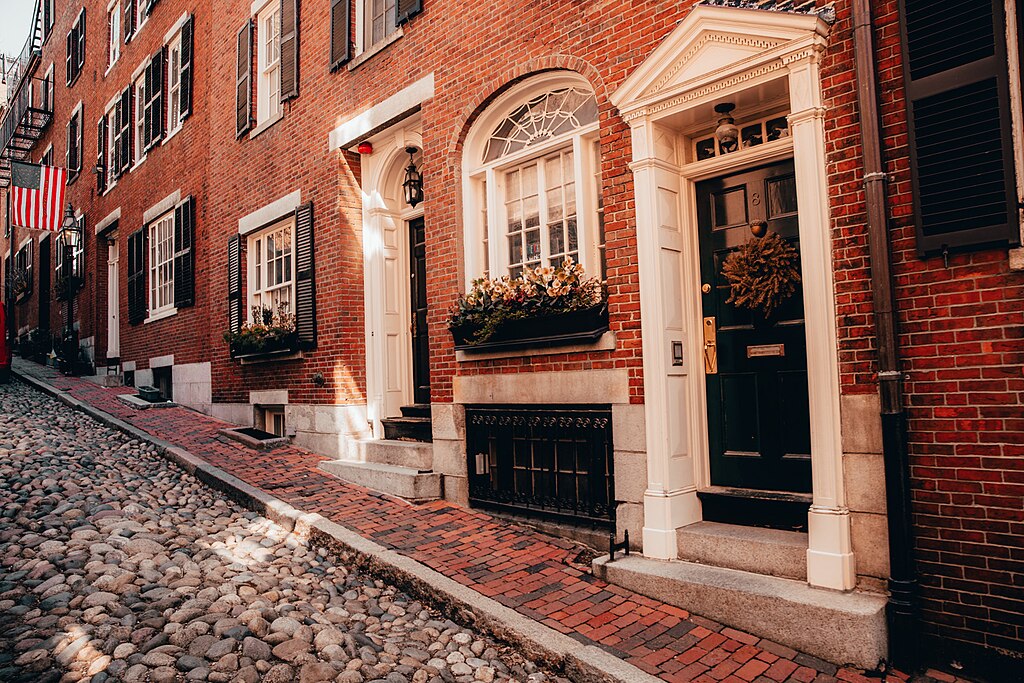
{"x": 532, "y": 180}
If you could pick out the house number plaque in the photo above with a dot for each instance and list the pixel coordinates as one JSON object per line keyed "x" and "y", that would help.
{"x": 766, "y": 350}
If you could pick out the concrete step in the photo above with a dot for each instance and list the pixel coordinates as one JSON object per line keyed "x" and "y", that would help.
{"x": 416, "y": 410}
{"x": 403, "y": 482}
{"x": 845, "y": 628}
{"x": 413, "y": 454}
{"x": 409, "y": 428}
{"x": 752, "y": 549}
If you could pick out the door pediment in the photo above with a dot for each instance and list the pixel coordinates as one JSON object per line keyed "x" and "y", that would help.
{"x": 714, "y": 43}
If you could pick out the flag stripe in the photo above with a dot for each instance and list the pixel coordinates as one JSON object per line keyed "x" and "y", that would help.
{"x": 37, "y": 196}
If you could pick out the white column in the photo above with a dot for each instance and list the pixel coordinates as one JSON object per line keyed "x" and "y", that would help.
{"x": 670, "y": 499}
{"x": 830, "y": 560}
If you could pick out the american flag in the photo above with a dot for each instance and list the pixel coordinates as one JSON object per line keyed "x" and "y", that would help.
{"x": 37, "y": 196}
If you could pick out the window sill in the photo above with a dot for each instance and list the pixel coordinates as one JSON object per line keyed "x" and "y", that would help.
{"x": 606, "y": 342}
{"x": 160, "y": 315}
{"x": 266, "y": 124}
{"x": 380, "y": 46}
{"x": 111, "y": 66}
{"x": 136, "y": 164}
{"x": 271, "y": 357}
{"x": 171, "y": 134}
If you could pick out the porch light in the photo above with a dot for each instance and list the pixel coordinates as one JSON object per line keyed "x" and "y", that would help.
{"x": 727, "y": 132}
{"x": 365, "y": 148}
{"x": 69, "y": 229}
{"x": 413, "y": 184}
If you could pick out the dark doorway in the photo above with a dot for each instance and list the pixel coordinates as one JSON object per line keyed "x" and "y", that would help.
{"x": 418, "y": 299}
{"x": 45, "y": 269}
{"x": 758, "y": 421}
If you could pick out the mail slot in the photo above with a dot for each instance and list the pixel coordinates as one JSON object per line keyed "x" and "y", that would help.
{"x": 764, "y": 350}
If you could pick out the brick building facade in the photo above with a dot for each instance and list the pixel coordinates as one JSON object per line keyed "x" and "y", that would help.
{"x": 586, "y": 129}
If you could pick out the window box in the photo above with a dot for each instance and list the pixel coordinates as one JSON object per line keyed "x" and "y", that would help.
{"x": 265, "y": 347}
{"x": 572, "y": 327}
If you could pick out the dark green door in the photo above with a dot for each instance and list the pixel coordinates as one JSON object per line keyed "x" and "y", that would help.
{"x": 758, "y": 424}
{"x": 418, "y": 298}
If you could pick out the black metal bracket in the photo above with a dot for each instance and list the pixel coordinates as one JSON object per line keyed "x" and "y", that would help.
{"x": 613, "y": 546}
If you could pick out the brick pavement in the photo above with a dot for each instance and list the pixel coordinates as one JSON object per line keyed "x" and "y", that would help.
{"x": 526, "y": 570}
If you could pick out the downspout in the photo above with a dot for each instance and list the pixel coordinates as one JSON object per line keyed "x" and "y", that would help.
{"x": 901, "y": 610}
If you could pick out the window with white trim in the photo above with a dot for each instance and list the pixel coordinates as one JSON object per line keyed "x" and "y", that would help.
{"x": 141, "y": 14}
{"x": 268, "y": 61}
{"x": 174, "y": 84}
{"x": 378, "y": 21}
{"x": 532, "y": 169}
{"x": 140, "y": 118}
{"x": 113, "y": 33}
{"x": 161, "y": 264}
{"x": 112, "y": 127}
{"x": 271, "y": 279}
{"x": 47, "y": 158}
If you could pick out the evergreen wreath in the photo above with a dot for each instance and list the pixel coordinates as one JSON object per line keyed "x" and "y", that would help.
{"x": 762, "y": 273}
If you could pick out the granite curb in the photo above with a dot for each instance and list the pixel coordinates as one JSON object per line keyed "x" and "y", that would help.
{"x": 582, "y": 663}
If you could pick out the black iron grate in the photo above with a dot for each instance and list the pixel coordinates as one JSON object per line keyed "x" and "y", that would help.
{"x": 550, "y": 461}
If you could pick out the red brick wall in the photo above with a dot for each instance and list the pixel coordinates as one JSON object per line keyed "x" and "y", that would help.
{"x": 960, "y": 330}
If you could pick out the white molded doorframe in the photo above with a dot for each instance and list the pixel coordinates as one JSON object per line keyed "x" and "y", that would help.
{"x": 113, "y": 302}
{"x": 741, "y": 55}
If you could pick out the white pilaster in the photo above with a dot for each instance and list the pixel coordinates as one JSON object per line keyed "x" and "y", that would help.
{"x": 830, "y": 560}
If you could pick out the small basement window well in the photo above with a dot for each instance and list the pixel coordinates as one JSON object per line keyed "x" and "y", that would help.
{"x": 254, "y": 438}
{"x": 147, "y": 397}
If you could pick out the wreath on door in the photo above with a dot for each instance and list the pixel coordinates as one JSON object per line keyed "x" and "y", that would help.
{"x": 762, "y": 273}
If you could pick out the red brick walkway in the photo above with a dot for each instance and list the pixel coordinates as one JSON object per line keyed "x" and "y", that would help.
{"x": 528, "y": 571}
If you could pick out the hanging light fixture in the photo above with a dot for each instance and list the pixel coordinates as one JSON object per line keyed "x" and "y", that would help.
{"x": 727, "y": 132}
{"x": 413, "y": 184}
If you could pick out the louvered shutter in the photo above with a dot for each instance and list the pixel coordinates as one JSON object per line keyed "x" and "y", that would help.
{"x": 124, "y": 147}
{"x": 147, "y": 108}
{"x": 305, "y": 277}
{"x": 341, "y": 28}
{"x": 243, "y": 80}
{"x": 289, "y": 49}
{"x": 101, "y": 154}
{"x": 80, "y": 25}
{"x": 47, "y": 17}
{"x": 156, "y": 97}
{"x": 184, "y": 260}
{"x": 185, "y": 83}
{"x": 137, "y": 276}
{"x": 128, "y": 7}
{"x": 150, "y": 4}
{"x": 69, "y": 60}
{"x": 406, "y": 10}
{"x": 961, "y": 143}
{"x": 235, "y": 308}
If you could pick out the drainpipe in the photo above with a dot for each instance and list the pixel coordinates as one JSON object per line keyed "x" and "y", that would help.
{"x": 902, "y": 607}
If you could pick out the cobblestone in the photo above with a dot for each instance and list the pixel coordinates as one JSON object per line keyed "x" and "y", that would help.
{"x": 115, "y": 565}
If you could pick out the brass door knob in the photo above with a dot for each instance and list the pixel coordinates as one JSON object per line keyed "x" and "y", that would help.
{"x": 706, "y": 288}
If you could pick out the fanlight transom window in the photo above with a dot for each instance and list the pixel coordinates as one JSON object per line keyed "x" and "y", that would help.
{"x": 542, "y": 118}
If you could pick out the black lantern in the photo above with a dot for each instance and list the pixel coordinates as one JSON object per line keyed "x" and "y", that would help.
{"x": 70, "y": 237}
{"x": 727, "y": 132}
{"x": 413, "y": 184}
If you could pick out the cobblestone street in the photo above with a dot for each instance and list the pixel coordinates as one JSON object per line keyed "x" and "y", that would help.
{"x": 114, "y": 564}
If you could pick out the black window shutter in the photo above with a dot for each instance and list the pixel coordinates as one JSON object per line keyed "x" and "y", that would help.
{"x": 289, "y": 49}
{"x": 128, "y": 6}
{"x": 156, "y": 98}
{"x": 961, "y": 144}
{"x": 185, "y": 99}
{"x": 137, "y": 276}
{"x": 341, "y": 21}
{"x": 80, "y": 25}
{"x": 184, "y": 263}
{"x": 124, "y": 148}
{"x": 147, "y": 108}
{"x": 47, "y": 16}
{"x": 406, "y": 10}
{"x": 69, "y": 60}
{"x": 150, "y": 4}
{"x": 305, "y": 277}
{"x": 243, "y": 80}
{"x": 235, "y": 307}
{"x": 101, "y": 154}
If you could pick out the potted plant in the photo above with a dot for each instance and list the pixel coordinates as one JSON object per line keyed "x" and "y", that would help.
{"x": 545, "y": 306}
{"x": 269, "y": 332}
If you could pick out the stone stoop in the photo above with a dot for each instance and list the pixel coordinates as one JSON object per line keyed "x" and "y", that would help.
{"x": 400, "y": 468}
{"x": 845, "y": 628}
{"x": 751, "y": 549}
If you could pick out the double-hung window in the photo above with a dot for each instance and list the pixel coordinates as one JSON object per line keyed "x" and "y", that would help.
{"x": 139, "y": 130}
{"x": 77, "y": 265}
{"x": 161, "y": 265}
{"x": 268, "y": 60}
{"x": 75, "y": 58}
{"x": 174, "y": 84}
{"x": 73, "y": 149}
{"x": 378, "y": 21}
{"x": 533, "y": 173}
{"x": 272, "y": 268}
{"x": 113, "y": 32}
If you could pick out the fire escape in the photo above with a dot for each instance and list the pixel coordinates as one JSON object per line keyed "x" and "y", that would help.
{"x": 29, "y": 106}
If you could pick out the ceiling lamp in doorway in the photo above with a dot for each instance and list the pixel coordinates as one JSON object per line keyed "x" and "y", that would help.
{"x": 413, "y": 184}
{"x": 727, "y": 132}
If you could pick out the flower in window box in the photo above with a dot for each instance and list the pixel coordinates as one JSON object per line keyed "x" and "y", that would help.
{"x": 544, "y": 305}
{"x": 270, "y": 331}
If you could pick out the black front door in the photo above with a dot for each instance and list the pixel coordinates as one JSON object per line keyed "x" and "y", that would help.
{"x": 44, "y": 285}
{"x": 418, "y": 298}
{"x": 758, "y": 424}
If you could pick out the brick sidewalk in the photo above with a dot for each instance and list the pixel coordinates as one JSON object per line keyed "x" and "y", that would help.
{"x": 516, "y": 566}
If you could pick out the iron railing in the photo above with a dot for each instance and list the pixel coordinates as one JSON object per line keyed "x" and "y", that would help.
{"x": 547, "y": 461}
{"x": 29, "y": 106}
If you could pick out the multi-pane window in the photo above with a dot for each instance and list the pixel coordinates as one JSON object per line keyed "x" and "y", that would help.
{"x": 272, "y": 268}
{"x": 161, "y": 264}
{"x": 113, "y": 33}
{"x": 112, "y": 128}
{"x": 46, "y": 98}
{"x": 47, "y": 158}
{"x": 174, "y": 84}
{"x": 535, "y": 181}
{"x": 73, "y": 150}
{"x": 75, "y": 58}
{"x": 379, "y": 20}
{"x": 140, "y": 118}
{"x": 268, "y": 36}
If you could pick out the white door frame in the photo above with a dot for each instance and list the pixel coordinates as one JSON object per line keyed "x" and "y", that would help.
{"x": 113, "y": 300}
{"x": 386, "y": 270}
{"x": 748, "y": 57}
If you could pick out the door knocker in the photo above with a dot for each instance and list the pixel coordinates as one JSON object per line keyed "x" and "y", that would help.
{"x": 759, "y": 228}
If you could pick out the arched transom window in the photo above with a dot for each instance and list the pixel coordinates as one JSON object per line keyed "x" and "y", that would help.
{"x": 533, "y": 183}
